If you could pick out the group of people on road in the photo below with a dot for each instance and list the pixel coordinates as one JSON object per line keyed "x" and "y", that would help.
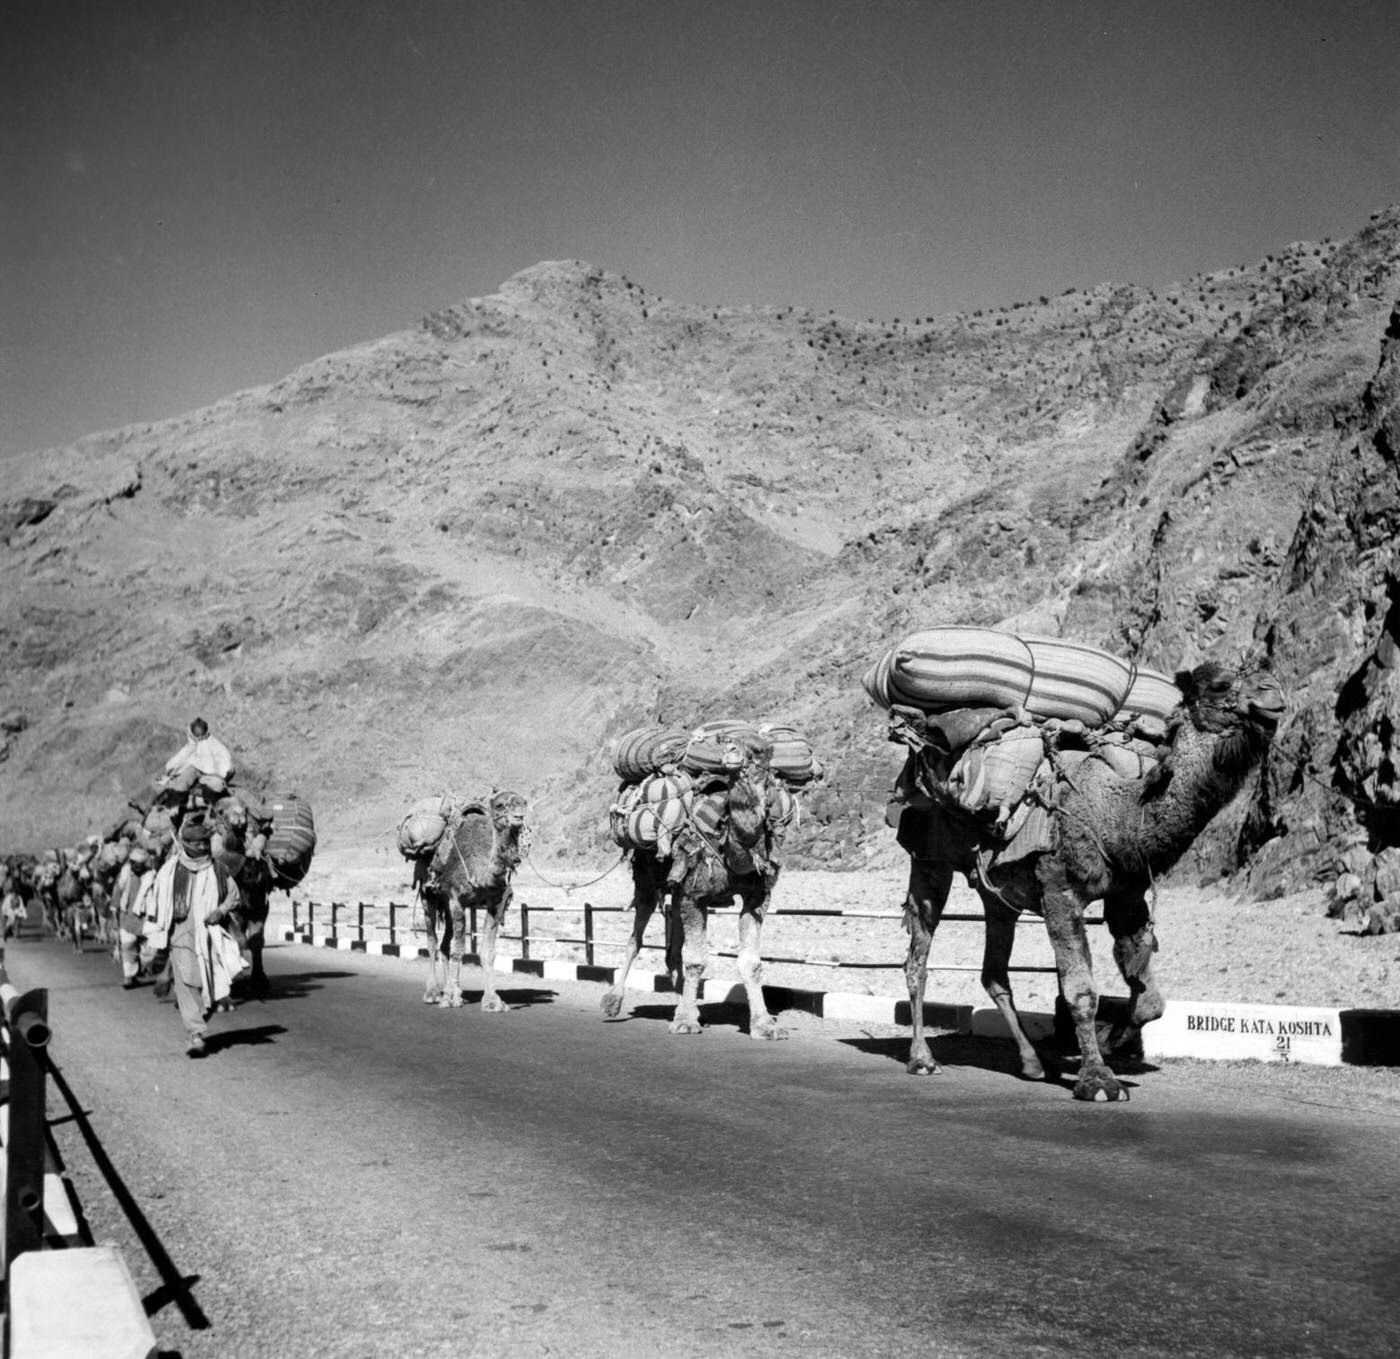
{"x": 185, "y": 918}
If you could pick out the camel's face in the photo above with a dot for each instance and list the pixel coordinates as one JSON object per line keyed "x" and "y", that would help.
{"x": 1263, "y": 699}
{"x": 1220, "y": 701}
{"x": 508, "y": 810}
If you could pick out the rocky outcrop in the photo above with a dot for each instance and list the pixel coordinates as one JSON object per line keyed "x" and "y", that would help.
{"x": 575, "y": 505}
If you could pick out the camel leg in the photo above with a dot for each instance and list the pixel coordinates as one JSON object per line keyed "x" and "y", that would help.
{"x": 645, "y": 898}
{"x": 1064, "y": 922}
{"x": 752, "y": 909}
{"x": 432, "y": 993}
{"x": 452, "y": 967}
{"x": 996, "y": 980}
{"x": 491, "y": 1003}
{"x": 1134, "y": 943}
{"x": 929, "y": 885}
{"x": 692, "y": 916}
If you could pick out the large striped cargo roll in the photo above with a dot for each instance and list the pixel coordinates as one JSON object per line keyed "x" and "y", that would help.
{"x": 1072, "y": 680}
{"x": 648, "y": 750}
{"x": 1151, "y": 694}
{"x": 292, "y": 840}
{"x": 793, "y": 760}
{"x": 945, "y": 668}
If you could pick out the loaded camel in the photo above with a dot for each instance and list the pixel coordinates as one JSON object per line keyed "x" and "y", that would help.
{"x": 699, "y": 873}
{"x": 67, "y": 900}
{"x": 1110, "y": 837}
{"x": 473, "y": 866}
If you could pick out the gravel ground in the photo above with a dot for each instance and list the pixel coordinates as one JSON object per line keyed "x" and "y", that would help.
{"x": 1212, "y": 946}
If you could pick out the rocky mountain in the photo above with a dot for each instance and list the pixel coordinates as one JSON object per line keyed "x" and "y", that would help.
{"x": 473, "y": 552}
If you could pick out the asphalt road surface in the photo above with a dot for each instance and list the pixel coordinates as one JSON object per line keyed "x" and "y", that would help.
{"x": 353, "y": 1173}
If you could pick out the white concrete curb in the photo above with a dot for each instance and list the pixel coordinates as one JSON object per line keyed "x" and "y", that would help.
{"x": 1209, "y": 1030}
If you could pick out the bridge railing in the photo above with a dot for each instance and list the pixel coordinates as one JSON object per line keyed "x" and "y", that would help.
{"x": 78, "y": 1301}
{"x": 394, "y": 923}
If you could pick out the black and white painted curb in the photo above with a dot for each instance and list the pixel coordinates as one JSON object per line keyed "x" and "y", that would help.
{"x": 1209, "y": 1030}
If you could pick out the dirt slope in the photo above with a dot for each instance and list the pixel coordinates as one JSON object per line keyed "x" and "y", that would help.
{"x": 473, "y": 552}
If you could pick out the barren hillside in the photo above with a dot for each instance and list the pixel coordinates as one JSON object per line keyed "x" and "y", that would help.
{"x": 473, "y": 552}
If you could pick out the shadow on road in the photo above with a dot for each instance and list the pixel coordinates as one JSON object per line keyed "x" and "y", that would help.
{"x": 288, "y": 986}
{"x": 235, "y": 1038}
{"x": 516, "y": 997}
{"x": 717, "y": 1014}
{"x": 175, "y": 1287}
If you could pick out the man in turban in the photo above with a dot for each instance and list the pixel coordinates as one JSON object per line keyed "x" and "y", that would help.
{"x": 189, "y": 902}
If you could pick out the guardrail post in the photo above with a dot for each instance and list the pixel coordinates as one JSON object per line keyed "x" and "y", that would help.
{"x": 393, "y": 906}
{"x": 26, "y": 1034}
{"x": 360, "y": 920}
{"x": 588, "y": 933}
{"x": 295, "y": 904}
{"x": 525, "y": 930}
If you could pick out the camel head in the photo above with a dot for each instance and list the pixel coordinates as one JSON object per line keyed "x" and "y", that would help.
{"x": 508, "y": 812}
{"x": 1230, "y": 714}
{"x": 1218, "y": 700}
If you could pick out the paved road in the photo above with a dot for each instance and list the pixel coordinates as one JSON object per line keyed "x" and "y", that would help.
{"x": 352, "y": 1173}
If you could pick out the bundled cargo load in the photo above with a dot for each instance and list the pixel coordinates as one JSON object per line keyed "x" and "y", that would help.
{"x": 793, "y": 759}
{"x": 992, "y": 776}
{"x": 722, "y": 746}
{"x": 645, "y": 812}
{"x": 421, "y": 830}
{"x": 946, "y": 668}
{"x": 672, "y": 785}
{"x": 291, "y": 842}
{"x": 648, "y": 750}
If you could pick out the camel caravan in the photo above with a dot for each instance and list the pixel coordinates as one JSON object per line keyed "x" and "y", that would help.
{"x": 261, "y": 842}
{"x": 1049, "y": 773}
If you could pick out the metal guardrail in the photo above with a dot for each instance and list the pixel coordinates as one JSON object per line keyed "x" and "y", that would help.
{"x": 340, "y": 911}
{"x": 24, "y": 1034}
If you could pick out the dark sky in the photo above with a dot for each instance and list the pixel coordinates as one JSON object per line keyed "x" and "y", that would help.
{"x": 199, "y": 195}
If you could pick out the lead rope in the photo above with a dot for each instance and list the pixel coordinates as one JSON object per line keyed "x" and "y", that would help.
{"x": 568, "y": 889}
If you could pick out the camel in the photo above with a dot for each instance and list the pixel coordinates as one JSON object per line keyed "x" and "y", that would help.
{"x": 700, "y": 873}
{"x": 473, "y": 866}
{"x": 72, "y": 903}
{"x": 1111, "y": 837}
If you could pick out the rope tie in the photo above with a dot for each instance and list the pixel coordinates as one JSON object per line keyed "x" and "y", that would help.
{"x": 569, "y": 890}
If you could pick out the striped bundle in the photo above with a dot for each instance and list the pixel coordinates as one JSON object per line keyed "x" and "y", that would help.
{"x": 292, "y": 839}
{"x": 648, "y": 750}
{"x": 720, "y": 747}
{"x": 651, "y": 811}
{"x": 793, "y": 760}
{"x": 945, "y": 668}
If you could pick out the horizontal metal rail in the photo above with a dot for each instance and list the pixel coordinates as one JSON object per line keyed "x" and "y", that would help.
{"x": 339, "y": 913}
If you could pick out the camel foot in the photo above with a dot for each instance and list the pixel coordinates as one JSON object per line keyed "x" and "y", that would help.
{"x": 612, "y": 1004}
{"x": 493, "y": 1005}
{"x": 681, "y": 1026}
{"x": 1032, "y": 1071}
{"x": 1098, "y": 1085}
{"x": 451, "y": 1000}
{"x": 767, "y": 1031}
{"x": 923, "y": 1066}
{"x": 432, "y": 996}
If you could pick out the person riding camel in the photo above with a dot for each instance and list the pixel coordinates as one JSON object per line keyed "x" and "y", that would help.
{"x": 203, "y": 763}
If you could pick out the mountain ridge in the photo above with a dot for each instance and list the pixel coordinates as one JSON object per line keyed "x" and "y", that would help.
{"x": 472, "y": 551}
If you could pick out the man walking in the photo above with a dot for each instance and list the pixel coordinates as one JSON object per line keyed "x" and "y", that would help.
{"x": 191, "y": 899}
{"x": 133, "y": 881}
